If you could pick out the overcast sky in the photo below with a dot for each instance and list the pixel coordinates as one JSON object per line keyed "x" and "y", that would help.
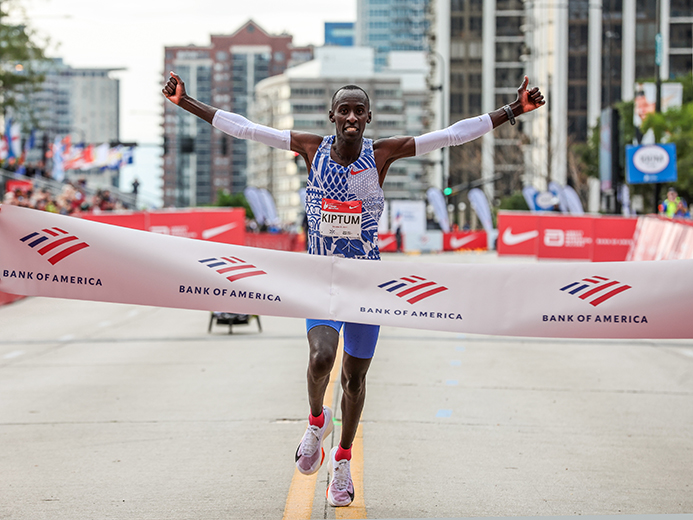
{"x": 132, "y": 34}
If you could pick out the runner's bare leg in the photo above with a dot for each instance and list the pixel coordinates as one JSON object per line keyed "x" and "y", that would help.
{"x": 323, "y": 341}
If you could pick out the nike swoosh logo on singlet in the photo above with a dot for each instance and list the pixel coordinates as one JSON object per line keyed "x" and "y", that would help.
{"x": 354, "y": 172}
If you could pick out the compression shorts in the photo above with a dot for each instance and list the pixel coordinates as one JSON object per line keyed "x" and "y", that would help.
{"x": 359, "y": 339}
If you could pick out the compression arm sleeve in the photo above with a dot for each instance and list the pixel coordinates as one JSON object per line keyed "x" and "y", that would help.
{"x": 238, "y": 126}
{"x": 459, "y": 133}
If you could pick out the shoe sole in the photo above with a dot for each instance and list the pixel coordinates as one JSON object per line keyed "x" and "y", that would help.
{"x": 327, "y": 431}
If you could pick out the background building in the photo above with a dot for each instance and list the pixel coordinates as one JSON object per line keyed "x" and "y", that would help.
{"x": 82, "y": 103}
{"x": 299, "y": 99}
{"x": 391, "y": 25}
{"x": 199, "y": 160}
{"x": 584, "y": 56}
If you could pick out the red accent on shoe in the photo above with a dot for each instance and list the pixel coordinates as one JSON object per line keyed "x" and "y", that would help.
{"x": 317, "y": 421}
{"x": 342, "y": 453}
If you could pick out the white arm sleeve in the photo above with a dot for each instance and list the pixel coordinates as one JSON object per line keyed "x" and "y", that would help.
{"x": 238, "y": 126}
{"x": 459, "y": 133}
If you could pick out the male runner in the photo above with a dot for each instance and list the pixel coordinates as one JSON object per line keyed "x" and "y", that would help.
{"x": 346, "y": 174}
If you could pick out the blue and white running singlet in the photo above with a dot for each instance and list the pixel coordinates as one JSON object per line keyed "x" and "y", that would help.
{"x": 344, "y": 204}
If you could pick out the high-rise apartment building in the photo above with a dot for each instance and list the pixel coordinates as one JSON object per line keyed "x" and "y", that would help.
{"x": 391, "y": 25}
{"x": 199, "y": 160}
{"x": 300, "y": 98}
{"x": 583, "y": 55}
{"x": 83, "y": 103}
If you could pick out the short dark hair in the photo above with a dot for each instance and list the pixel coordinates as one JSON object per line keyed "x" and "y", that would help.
{"x": 350, "y": 87}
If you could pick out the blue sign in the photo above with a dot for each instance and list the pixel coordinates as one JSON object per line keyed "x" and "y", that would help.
{"x": 651, "y": 163}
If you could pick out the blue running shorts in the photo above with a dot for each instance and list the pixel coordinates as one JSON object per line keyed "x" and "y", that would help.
{"x": 359, "y": 338}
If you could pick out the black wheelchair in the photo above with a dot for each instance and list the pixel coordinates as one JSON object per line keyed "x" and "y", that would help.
{"x": 231, "y": 319}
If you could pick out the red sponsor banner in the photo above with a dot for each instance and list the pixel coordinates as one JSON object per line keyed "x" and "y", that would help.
{"x": 130, "y": 219}
{"x": 226, "y": 226}
{"x": 15, "y": 184}
{"x": 517, "y": 233}
{"x": 387, "y": 242}
{"x": 565, "y": 237}
{"x": 276, "y": 241}
{"x": 460, "y": 240}
{"x": 550, "y": 235}
{"x": 613, "y": 238}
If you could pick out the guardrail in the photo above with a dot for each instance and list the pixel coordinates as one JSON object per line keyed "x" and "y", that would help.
{"x": 55, "y": 187}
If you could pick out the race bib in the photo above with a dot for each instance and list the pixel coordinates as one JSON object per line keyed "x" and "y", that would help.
{"x": 340, "y": 219}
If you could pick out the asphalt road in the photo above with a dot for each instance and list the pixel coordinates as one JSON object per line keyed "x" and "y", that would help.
{"x": 126, "y": 412}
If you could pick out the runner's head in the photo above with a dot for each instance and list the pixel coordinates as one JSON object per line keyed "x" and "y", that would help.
{"x": 350, "y": 112}
{"x": 339, "y": 91}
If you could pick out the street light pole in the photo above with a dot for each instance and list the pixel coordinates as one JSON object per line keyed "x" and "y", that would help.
{"x": 658, "y": 81}
{"x": 445, "y": 157}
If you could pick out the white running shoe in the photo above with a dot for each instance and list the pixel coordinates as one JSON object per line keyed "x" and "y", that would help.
{"x": 310, "y": 453}
{"x": 340, "y": 492}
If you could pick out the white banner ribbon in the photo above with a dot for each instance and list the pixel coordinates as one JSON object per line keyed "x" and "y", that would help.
{"x": 42, "y": 254}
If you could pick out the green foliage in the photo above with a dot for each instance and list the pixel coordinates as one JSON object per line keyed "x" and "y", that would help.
{"x": 676, "y": 126}
{"x": 516, "y": 201}
{"x": 21, "y": 55}
{"x": 233, "y": 200}
{"x": 687, "y": 82}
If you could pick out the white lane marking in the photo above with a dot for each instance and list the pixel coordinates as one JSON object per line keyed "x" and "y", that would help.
{"x": 67, "y": 337}
{"x": 13, "y": 354}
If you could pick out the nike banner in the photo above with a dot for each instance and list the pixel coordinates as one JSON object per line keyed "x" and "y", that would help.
{"x": 552, "y": 235}
{"x": 43, "y": 254}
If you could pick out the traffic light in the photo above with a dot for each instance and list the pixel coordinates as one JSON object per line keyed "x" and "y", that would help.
{"x": 447, "y": 191}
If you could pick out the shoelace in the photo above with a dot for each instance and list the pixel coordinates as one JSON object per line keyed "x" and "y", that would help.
{"x": 310, "y": 442}
{"x": 342, "y": 475}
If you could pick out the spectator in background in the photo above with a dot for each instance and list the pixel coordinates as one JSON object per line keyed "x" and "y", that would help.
{"x": 674, "y": 206}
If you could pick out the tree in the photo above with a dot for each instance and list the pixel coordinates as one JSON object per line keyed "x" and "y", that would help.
{"x": 676, "y": 126}
{"x": 21, "y": 56}
{"x": 233, "y": 200}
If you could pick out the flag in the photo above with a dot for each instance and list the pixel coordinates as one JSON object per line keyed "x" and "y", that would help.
{"x": 13, "y": 136}
{"x": 3, "y": 148}
{"x": 29, "y": 144}
{"x": 127, "y": 155}
{"x": 440, "y": 208}
{"x": 101, "y": 155}
{"x": 73, "y": 157}
{"x": 88, "y": 160}
{"x": 115, "y": 155}
{"x": 58, "y": 172}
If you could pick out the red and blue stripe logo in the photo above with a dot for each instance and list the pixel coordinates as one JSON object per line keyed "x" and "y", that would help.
{"x": 595, "y": 289}
{"x": 413, "y": 288}
{"x": 234, "y": 266}
{"x": 57, "y": 243}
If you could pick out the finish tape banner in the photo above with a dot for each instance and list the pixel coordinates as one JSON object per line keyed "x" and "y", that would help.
{"x": 42, "y": 254}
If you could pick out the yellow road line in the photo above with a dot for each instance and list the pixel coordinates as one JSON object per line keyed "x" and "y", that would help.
{"x": 299, "y": 502}
{"x": 357, "y": 509}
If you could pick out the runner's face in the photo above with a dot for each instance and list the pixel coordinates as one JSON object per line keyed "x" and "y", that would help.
{"x": 350, "y": 113}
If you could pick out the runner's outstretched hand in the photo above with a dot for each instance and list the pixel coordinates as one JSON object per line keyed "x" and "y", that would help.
{"x": 529, "y": 99}
{"x": 174, "y": 89}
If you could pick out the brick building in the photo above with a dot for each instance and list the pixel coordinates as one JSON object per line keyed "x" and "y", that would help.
{"x": 199, "y": 160}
